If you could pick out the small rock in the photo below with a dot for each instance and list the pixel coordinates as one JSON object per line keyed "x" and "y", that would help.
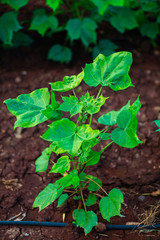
{"x": 26, "y": 234}
{"x": 24, "y": 73}
{"x": 101, "y": 227}
{"x": 17, "y": 79}
{"x": 141, "y": 198}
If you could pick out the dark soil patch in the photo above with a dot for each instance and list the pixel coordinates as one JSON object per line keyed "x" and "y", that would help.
{"x": 134, "y": 171}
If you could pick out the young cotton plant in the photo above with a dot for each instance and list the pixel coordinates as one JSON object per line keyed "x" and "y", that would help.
{"x": 73, "y": 141}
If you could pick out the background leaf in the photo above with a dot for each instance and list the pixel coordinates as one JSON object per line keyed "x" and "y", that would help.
{"x": 15, "y": 4}
{"x": 54, "y": 4}
{"x": 8, "y": 25}
{"x": 92, "y": 199}
{"x": 60, "y": 54}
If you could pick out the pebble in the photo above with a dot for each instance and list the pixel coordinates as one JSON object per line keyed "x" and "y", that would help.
{"x": 17, "y": 79}
{"x": 26, "y": 234}
{"x": 141, "y": 198}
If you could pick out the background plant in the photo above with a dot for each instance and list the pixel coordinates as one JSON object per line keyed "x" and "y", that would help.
{"x": 79, "y": 21}
{"x": 74, "y": 141}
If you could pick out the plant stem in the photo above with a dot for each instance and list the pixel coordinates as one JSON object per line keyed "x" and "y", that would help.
{"x": 106, "y": 146}
{"x": 71, "y": 160}
{"x": 83, "y": 201}
{"x": 90, "y": 121}
{"x": 74, "y": 93}
{"x": 99, "y": 92}
{"x": 97, "y": 185}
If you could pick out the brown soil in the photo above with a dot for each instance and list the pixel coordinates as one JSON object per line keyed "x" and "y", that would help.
{"x": 134, "y": 171}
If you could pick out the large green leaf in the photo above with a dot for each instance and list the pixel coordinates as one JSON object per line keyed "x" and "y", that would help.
{"x": 66, "y": 135}
{"x": 86, "y": 220}
{"x": 124, "y": 19}
{"x": 54, "y": 4}
{"x": 68, "y": 83}
{"x": 41, "y": 22}
{"x": 8, "y": 25}
{"x": 84, "y": 29}
{"x": 59, "y": 53}
{"x": 15, "y": 4}
{"x": 46, "y": 197}
{"x": 71, "y": 104}
{"x": 110, "y": 206}
{"x": 109, "y": 71}
{"x": 62, "y": 165}
{"x": 28, "y": 108}
{"x": 43, "y": 160}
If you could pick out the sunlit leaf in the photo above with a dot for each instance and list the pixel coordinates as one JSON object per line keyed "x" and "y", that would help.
{"x": 43, "y": 160}
{"x": 68, "y": 83}
{"x": 109, "y": 71}
{"x": 62, "y": 165}
{"x": 62, "y": 200}
{"x": 54, "y": 4}
{"x": 71, "y": 104}
{"x": 28, "y": 108}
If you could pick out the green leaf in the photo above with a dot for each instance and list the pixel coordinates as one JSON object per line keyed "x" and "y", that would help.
{"x": 15, "y": 4}
{"x": 124, "y": 19}
{"x": 150, "y": 29}
{"x": 95, "y": 184}
{"x": 66, "y": 135}
{"x": 135, "y": 107}
{"x": 68, "y": 83}
{"x": 86, "y": 220}
{"x": 110, "y": 206}
{"x": 56, "y": 149}
{"x": 70, "y": 179}
{"x": 46, "y": 197}
{"x": 54, "y": 4}
{"x": 28, "y": 108}
{"x": 105, "y": 136}
{"x": 8, "y": 25}
{"x": 125, "y": 135}
{"x": 62, "y": 200}
{"x": 110, "y": 118}
{"x": 43, "y": 160}
{"x": 71, "y": 104}
{"x": 93, "y": 158}
{"x": 59, "y": 53}
{"x": 21, "y": 39}
{"x": 41, "y": 22}
{"x": 91, "y": 200}
{"x": 90, "y": 104}
{"x": 109, "y": 71}
{"x": 157, "y": 122}
{"x": 102, "y": 5}
{"x": 84, "y": 29}
{"x": 62, "y": 165}
{"x": 51, "y": 111}
{"x": 105, "y": 46}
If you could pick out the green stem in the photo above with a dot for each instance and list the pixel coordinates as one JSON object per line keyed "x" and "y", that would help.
{"x": 99, "y": 92}
{"x": 97, "y": 185}
{"x": 90, "y": 121}
{"x": 71, "y": 160}
{"x": 74, "y": 93}
{"x": 106, "y": 146}
{"x": 83, "y": 200}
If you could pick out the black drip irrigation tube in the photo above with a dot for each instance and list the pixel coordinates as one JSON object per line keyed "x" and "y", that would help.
{"x": 59, "y": 224}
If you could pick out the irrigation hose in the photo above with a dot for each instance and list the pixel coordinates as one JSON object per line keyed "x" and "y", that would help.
{"x": 59, "y": 224}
